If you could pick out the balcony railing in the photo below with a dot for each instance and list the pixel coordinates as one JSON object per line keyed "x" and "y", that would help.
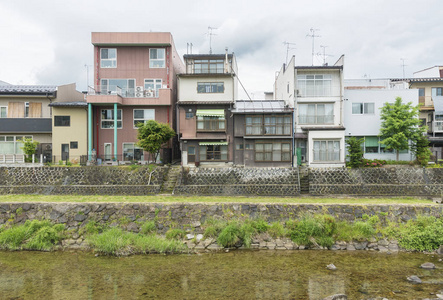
{"x": 318, "y": 119}
{"x": 438, "y": 126}
{"x": 137, "y": 92}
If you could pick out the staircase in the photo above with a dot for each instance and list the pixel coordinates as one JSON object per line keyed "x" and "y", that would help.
{"x": 304, "y": 180}
{"x": 170, "y": 180}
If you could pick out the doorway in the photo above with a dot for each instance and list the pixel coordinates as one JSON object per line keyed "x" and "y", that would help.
{"x": 108, "y": 151}
{"x": 65, "y": 151}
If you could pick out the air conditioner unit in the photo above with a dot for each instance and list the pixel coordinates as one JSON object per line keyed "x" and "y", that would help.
{"x": 138, "y": 94}
{"x": 150, "y": 94}
{"x": 139, "y": 89}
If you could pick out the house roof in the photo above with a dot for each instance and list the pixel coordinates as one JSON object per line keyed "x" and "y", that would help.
{"x": 429, "y": 79}
{"x": 260, "y": 106}
{"x": 3, "y": 83}
{"x": 28, "y": 90}
{"x": 206, "y": 56}
{"x": 69, "y": 104}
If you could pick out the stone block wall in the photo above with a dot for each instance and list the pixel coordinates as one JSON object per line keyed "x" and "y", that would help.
{"x": 82, "y": 180}
{"x": 239, "y": 181}
{"x": 387, "y": 181}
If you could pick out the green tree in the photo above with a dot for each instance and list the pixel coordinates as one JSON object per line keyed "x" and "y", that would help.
{"x": 152, "y": 135}
{"x": 421, "y": 150}
{"x": 355, "y": 152}
{"x": 29, "y": 148}
{"x": 400, "y": 124}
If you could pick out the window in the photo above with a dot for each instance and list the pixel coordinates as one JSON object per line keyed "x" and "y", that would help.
{"x": 210, "y": 87}
{"x": 156, "y": 58}
{"x": 210, "y": 123}
{"x": 3, "y": 111}
{"x": 272, "y": 151}
{"x": 437, "y": 91}
{"x": 371, "y": 144}
{"x": 316, "y": 114}
{"x": 151, "y": 87}
{"x": 10, "y": 144}
{"x": 214, "y": 152}
{"x": 143, "y": 115}
{"x": 205, "y": 66}
{"x": 421, "y": 92}
{"x": 73, "y": 145}
{"x": 123, "y": 87}
{"x": 254, "y": 125}
{"x": 314, "y": 85}
{"x": 132, "y": 152}
{"x": 26, "y": 109}
{"x": 238, "y": 146}
{"x": 362, "y": 108}
{"x": 108, "y": 58}
{"x": 189, "y": 114}
{"x": 326, "y": 151}
{"x": 108, "y": 118}
{"x": 62, "y": 120}
{"x": 272, "y": 125}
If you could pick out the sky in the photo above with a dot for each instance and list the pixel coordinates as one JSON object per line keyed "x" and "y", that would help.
{"x": 49, "y": 42}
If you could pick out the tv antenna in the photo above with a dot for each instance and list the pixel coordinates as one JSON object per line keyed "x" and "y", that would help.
{"x": 188, "y": 46}
{"x": 324, "y": 55}
{"x": 313, "y": 36}
{"x": 210, "y": 33}
{"x": 288, "y": 47}
{"x": 403, "y": 66}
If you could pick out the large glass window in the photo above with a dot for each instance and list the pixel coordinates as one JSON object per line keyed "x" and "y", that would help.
{"x": 210, "y": 87}
{"x": 132, "y": 152}
{"x": 213, "y": 152}
{"x": 205, "y": 66}
{"x": 156, "y": 58}
{"x": 326, "y": 150}
{"x": 316, "y": 113}
{"x": 210, "y": 123}
{"x": 108, "y": 58}
{"x": 10, "y": 144}
{"x": 143, "y": 115}
{"x": 3, "y": 111}
{"x": 362, "y": 108}
{"x": 268, "y": 125}
{"x": 151, "y": 87}
{"x": 437, "y": 91}
{"x": 62, "y": 120}
{"x": 254, "y": 125}
{"x": 314, "y": 85}
{"x": 123, "y": 87}
{"x": 272, "y": 151}
{"x": 107, "y": 120}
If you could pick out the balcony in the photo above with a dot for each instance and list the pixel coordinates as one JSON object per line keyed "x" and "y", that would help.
{"x": 25, "y": 125}
{"x": 437, "y": 126}
{"x": 128, "y": 96}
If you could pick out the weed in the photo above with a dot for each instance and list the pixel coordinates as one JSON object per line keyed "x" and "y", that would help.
{"x": 229, "y": 235}
{"x": 19, "y": 211}
{"x": 148, "y": 227}
{"x": 277, "y": 230}
{"x": 175, "y": 234}
{"x": 91, "y": 227}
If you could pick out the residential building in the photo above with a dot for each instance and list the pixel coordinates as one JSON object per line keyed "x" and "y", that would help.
{"x": 69, "y": 125}
{"x": 262, "y": 133}
{"x": 134, "y": 81}
{"x": 363, "y": 99}
{"x": 316, "y": 95}
{"x": 206, "y": 92}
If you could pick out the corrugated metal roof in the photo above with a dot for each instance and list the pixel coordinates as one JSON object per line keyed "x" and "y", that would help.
{"x": 260, "y": 106}
{"x": 27, "y": 89}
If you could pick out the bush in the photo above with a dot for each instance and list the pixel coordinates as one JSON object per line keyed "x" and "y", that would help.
{"x": 229, "y": 235}
{"x": 423, "y": 234}
{"x": 277, "y": 230}
{"x": 175, "y": 234}
{"x": 148, "y": 227}
{"x": 373, "y": 163}
{"x": 212, "y": 227}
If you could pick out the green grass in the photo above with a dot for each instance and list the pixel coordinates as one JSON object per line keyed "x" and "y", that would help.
{"x": 213, "y": 199}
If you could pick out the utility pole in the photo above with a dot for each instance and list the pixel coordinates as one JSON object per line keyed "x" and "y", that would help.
{"x": 287, "y": 44}
{"x": 210, "y": 37}
{"x": 313, "y": 36}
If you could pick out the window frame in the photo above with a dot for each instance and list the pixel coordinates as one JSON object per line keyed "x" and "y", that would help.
{"x": 208, "y": 120}
{"x": 313, "y": 89}
{"x": 102, "y": 60}
{"x": 73, "y": 145}
{"x": 221, "y": 152}
{"x": 144, "y": 119}
{"x": 327, "y": 153}
{"x": 364, "y": 107}
{"x": 14, "y": 139}
{"x": 209, "y": 66}
{"x": 112, "y": 119}
{"x": 63, "y": 122}
{"x": 437, "y": 91}
{"x": 125, "y": 92}
{"x": 5, "y": 110}
{"x": 156, "y": 82}
{"x": 316, "y": 116}
{"x": 154, "y": 61}
{"x": 126, "y": 154}
{"x": 272, "y": 151}
{"x": 210, "y": 87}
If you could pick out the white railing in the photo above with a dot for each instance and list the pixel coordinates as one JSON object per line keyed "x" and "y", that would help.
{"x": 438, "y": 126}
{"x": 137, "y": 92}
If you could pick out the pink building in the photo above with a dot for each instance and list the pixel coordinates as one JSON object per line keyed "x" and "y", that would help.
{"x": 134, "y": 81}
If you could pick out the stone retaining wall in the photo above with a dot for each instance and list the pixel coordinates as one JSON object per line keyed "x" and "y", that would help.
{"x": 387, "y": 181}
{"x": 81, "y": 180}
{"x": 190, "y": 217}
{"x": 239, "y": 181}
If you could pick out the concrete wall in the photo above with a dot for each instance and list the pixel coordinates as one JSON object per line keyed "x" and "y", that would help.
{"x": 187, "y": 86}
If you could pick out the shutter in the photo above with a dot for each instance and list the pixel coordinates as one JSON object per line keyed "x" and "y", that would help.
{"x": 35, "y": 110}
{"x": 16, "y": 110}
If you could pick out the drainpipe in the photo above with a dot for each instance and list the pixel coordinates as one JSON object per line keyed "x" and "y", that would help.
{"x": 89, "y": 131}
{"x": 115, "y": 130}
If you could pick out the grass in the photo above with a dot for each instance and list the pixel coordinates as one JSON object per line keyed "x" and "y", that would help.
{"x": 211, "y": 199}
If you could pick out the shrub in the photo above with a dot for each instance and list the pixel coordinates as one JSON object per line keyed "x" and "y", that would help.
{"x": 260, "y": 225}
{"x": 423, "y": 234}
{"x": 229, "y": 235}
{"x": 148, "y": 227}
{"x": 175, "y": 233}
{"x": 355, "y": 152}
{"x": 212, "y": 227}
{"x": 373, "y": 163}
{"x": 45, "y": 238}
{"x": 277, "y": 230}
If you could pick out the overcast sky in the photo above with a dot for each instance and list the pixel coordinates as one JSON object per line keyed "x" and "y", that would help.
{"x": 49, "y": 42}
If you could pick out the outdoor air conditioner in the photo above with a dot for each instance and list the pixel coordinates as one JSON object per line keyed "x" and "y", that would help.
{"x": 138, "y": 91}
{"x": 138, "y": 94}
{"x": 149, "y": 94}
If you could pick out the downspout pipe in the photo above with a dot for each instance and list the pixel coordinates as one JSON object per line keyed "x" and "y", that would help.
{"x": 89, "y": 131}
{"x": 115, "y": 130}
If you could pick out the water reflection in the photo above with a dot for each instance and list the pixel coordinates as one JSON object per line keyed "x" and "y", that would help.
{"x": 236, "y": 275}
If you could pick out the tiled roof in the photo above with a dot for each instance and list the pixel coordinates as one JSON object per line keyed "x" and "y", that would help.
{"x": 69, "y": 104}
{"x": 27, "y": 89}
{"x": 260, "y": 106}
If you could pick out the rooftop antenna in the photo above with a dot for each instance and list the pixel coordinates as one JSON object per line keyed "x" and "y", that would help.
{"x": 288, "y": 47}
{"x": 188, "y": 47}
{"x": 87, "y": 75}
{"x": 313, "y": 36}
{"x": 324, "y": 54}
{"x": 210, "y": 37}
{"x": 403, "y": 66}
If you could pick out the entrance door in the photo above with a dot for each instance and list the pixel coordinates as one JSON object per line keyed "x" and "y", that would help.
{"x": 65, "y": 151}
{"x": 191, "y": 154}
{"x": 108, "y": 151}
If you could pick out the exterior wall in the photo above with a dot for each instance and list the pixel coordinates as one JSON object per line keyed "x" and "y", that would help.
{"x": 188, "y": 88}
{"x": 325, "y": 135}
{"x": 68, "y": 93}
{"x": 284, "y": 86}
{"x": 76, "y": 132}
{"x": 429, "y": 72}
{"x": 46, "y": 110}
{"x": 369, "y": 124}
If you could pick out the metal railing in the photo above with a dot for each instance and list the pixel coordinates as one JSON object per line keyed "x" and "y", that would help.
{"x": 137, "y": 92}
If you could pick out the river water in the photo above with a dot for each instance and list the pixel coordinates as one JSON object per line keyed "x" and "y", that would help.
{"x": 234, "y": 275}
